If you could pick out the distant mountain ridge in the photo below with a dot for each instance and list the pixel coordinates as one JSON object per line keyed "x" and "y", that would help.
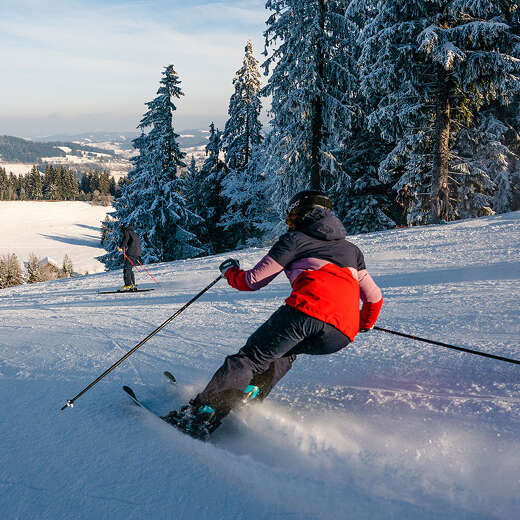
{"x": 16, "y": 149}
{"x": 187, "y": 138}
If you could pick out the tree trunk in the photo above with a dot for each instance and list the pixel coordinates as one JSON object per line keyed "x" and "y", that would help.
{"x": 317, "y": 108}
{"x": 248, "y": 138}
{"x": 441, "y": 146}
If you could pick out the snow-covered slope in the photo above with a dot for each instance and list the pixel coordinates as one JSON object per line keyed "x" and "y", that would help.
{"x": 387, "y": 428}
{"x": 54, "y": 229}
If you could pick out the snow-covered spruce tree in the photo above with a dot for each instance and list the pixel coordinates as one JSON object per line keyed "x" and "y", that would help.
{"x": 190, "y": 185}
{"x": 34, "y": 188}
{"x": 34, "y": 274}
{"x": 243, "y": 128}
{"x": 151, "y": 200}
{"x": 242, "y": 135}
{"x": 10, "y": 271}
{"x": 310, "y": 86}
{"x": 67, "y": 269}
{"x": 363, "y": 204}
{"x": 250, "y": 218}
{"x": 4, "y": 185}
{"x": 212, "y": 204}
{"x": 426, "y": 65}
{"x": 50, "y": 187}
{"x": 483, "y": 163}
{"x": 361, "y": 200}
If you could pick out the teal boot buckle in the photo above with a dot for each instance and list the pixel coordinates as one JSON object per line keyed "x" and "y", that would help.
{"x": 250, "y": 392}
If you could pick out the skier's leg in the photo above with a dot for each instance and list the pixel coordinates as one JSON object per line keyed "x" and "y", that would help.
{"x": 127, "y": 272}
{"x": 268, "y": 379}
{"x": 285, "y": 329}
{"x": 328, "y": 341}
{"x": 405, "y": 216}
{"x": 132, "y": 275}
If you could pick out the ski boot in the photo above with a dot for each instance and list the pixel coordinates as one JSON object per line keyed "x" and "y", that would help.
{"x": 200, "y": 421}
{"x": 196, "y": 421}
{"x": 133, "y": 288}
{"x": 125, "y": 288}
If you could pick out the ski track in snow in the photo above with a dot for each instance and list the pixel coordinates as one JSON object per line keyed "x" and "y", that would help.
{"x": 387, "y": 428}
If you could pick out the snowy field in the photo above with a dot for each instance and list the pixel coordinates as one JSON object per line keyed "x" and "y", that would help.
{"x": 385, "y": 429}
{"x": 54, "y": 229}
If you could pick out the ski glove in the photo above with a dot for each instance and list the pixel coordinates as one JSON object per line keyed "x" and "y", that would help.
{"x": 228, "y": 264}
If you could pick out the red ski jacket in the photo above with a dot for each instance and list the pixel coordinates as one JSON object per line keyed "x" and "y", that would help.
{"x": 327, "y": 274}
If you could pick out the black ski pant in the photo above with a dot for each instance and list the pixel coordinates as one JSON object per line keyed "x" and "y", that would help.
{"x": 128, "y": 272}
{"x": 268, "y": 355}
{"x": 404, "y": 215}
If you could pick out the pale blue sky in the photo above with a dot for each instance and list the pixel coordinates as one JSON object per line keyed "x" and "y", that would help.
{"x": 85, "y": 65}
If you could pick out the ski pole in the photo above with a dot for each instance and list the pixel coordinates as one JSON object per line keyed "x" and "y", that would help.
{"x": 70, "y": 402}
{"x": 147, "y": 272}
{"x": 461, "y": 349}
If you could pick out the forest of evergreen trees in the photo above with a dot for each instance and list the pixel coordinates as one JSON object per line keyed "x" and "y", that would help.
{"x": 366, "y": 96}
{"x": 58, "y": 183}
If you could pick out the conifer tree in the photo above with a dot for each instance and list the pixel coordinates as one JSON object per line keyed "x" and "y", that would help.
{"x": 67, "y": 268}
{"x": 212, "y": 204}
{"x": 34, "y": 274}
{"x": 251, "y": 218}
{"x": 310, "y": 86}
{"x": 241, "y": 137}
{"x": 242, "y": 130}
{"x": 427, "y": 65}
{"x": 190, "y": 185}
{"x": 10, "y": 271}
{"x": 13, "y": 186}
{"x": 48, "y": 181}
{"x": 151, "y": 200}
{"x": 104, "y": 182}
{"x": 112, "y": 186}
{"x": 33, "y": 181}
{"x": 4, "y": 185}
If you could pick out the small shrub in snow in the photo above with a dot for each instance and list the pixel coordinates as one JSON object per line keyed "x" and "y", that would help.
{"x": 34, "y": 274}
{"x": 10, "y": 271}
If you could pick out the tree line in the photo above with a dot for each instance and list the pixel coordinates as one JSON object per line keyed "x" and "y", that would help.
{"x": 57, "y": 183}
{"x": 12, "y": 273}
{"x": 366, "y": 96}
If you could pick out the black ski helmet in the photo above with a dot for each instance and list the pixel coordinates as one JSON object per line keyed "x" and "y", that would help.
{"x": 304, "y": 201}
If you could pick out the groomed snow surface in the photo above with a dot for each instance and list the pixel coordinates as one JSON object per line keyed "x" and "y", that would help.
{"x": 53, "y": 229}
{"x": 388, "y": 428}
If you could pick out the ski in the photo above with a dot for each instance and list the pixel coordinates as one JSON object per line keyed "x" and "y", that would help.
{"x": 187, "y": 420}
{"x": 202, "y": 436}
{"x": 124, "y": 292}
{"x": 132, "y": 395}
{"x": 170, "y": 376}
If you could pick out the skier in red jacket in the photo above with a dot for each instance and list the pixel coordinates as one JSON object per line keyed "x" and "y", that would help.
{"x": 321, "y": 316}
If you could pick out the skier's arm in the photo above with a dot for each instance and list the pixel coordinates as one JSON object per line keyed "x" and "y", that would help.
{"x": 256, "y": 278}
{"x": 370, "y": 295}
{"x": 126, "y": 237}
{"x": 271, "y": 265}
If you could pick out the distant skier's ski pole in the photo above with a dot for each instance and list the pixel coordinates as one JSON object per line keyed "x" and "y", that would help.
{"x": 461, "y": 349}
{"x": 146, "y": 271}
{"x": 70, "y": 402}
{"x": 136, "y": 268}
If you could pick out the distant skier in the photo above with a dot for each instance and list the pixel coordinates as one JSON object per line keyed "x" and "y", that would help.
{"x": 444, "y": 200}
{"x": 131, "y": 249}
{"x": 404, "y": 198}
{"x": 321, "y": 316}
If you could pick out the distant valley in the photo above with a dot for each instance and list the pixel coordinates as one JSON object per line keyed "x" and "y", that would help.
{"x": 95, "y": 150}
